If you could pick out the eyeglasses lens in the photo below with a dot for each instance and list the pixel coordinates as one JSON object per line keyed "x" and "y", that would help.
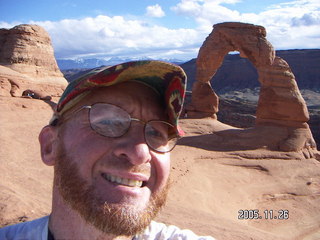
{"x": 157, "y": 137}
{"x": 109, "y": 120}
{"x": 112, "y": 121}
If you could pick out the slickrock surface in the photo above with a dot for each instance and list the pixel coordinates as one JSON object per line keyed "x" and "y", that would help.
{"x": 27, "y": 59}
{"x": 280, "y": 102}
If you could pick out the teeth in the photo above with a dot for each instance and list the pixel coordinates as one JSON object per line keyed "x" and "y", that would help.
{"x": 122, "y": 181}
{"x": 112, "y": 178}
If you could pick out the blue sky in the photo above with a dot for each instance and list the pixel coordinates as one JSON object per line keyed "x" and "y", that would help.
{"x": 159, "y": 29}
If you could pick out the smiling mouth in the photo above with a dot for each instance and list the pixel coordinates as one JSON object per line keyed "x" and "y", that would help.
{"x": 122, "y": 181}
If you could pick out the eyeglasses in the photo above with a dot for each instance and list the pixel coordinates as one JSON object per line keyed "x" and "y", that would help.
{"x": 112, "y": 121}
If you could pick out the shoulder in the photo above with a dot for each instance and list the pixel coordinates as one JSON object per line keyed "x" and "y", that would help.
{"x": 36, "y": 229}
{"x": 160, "y": 231}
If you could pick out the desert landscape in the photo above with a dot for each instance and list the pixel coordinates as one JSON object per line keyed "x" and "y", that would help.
{"x": 222, "y": 174}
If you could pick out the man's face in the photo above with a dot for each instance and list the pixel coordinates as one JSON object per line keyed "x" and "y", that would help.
{"x": 93, "y": 172}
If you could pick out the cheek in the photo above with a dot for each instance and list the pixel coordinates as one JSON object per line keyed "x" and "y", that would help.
{"x": 162, "y": 167}
{"x": 85, "y": 148}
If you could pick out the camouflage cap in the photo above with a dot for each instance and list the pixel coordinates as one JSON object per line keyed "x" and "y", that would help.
{"x": 168, "y": 80}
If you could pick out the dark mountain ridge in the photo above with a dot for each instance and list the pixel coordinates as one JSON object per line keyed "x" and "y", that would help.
{"x": 238, "y": 73}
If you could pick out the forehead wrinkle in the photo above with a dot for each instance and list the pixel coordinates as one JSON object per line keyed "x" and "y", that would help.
{"x": 145, "y": 108}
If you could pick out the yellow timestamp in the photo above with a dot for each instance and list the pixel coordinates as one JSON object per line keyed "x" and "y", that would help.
{"x": 244, "y": 214}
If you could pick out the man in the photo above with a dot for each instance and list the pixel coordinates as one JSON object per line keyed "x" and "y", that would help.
{"x": 109, "y": 141}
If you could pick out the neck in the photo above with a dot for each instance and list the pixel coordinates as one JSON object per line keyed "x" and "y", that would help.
{"x": 66, "y": 223}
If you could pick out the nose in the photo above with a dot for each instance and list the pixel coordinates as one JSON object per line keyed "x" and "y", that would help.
{"x": 132, "y": 146}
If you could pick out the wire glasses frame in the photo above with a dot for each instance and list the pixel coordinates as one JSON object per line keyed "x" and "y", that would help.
{"x": 112, "y": 121}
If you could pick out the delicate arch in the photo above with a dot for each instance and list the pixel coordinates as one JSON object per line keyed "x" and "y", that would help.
{"x": 280, "y": 101}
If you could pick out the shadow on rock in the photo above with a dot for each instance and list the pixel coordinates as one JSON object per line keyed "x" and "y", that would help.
{"x": 274, "y": 138}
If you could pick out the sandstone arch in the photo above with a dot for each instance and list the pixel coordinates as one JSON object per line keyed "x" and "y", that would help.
{"x": 280, "y": 102}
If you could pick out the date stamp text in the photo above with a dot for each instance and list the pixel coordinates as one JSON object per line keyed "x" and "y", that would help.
{"x": 265, "y": 214}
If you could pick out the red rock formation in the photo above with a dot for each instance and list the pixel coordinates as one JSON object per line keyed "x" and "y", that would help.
{"x": 27, "y": 60}
{"x": 280, "y": 102}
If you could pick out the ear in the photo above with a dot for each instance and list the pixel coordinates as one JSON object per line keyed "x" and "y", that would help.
{"x": 48, "y": 145}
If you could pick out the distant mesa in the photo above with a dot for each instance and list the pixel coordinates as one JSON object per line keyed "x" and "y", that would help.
{"x": 27, "y": 62}
{"x": 280, "y": 103}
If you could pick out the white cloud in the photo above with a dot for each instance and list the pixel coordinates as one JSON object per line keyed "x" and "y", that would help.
{"x": 105, "y": 36}
{"x": 293, "y": 24}
{"x": 155, "y": 11}
{"x": 207, "y": 12}
{"x": 8, "y": 25}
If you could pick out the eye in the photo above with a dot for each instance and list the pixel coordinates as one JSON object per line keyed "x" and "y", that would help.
{"x": 157, "y": 130}
{"x": 154, "y": 133}
{"x": 110, "y": 127}
{"x": 116, "y": 123}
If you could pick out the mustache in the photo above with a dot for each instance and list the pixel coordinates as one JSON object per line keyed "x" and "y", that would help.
{"x": 124, "y": 165}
